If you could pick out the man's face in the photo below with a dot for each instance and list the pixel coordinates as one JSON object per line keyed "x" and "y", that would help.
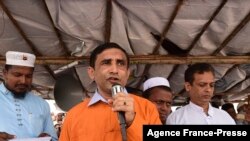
{"x": 18, "y": 79}
{"x": 110, "y": 67}
{"x": 202, "y": 88}
{"x": 60, "y": 117}
{"x": 163, "y": 101}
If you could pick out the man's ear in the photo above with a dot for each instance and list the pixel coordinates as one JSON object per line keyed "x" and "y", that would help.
{"x": 91, "y": 72}
{"x": 4, "y": 73}
{"x": 187, "y": 86}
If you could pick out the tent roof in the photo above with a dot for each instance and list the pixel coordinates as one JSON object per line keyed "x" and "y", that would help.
{"x": 162, "y": 37}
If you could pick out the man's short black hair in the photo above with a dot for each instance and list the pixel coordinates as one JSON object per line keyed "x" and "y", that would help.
{"x": 199, "y": 68}
{"x": 7, "y": 67}
{"x": 227, "y": 106}
{"x": 99, "y": 49}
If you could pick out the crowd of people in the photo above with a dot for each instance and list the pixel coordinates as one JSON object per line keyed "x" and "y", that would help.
{"x": 99, "y": 117}
{"x": 58, "y": 119}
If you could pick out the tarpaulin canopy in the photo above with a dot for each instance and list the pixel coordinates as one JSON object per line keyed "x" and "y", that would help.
{"x": 162, "y": 37}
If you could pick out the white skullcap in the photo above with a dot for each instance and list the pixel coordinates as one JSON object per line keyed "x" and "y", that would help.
{"x": 155, "y": 81}
{"x": 20, "y": 59}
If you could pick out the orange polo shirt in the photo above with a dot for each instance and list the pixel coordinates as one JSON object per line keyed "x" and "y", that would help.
{"x": 99, "y": 123}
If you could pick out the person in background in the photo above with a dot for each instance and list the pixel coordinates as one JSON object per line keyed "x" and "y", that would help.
{"x": 199, "y": 83}
{"x": 229, "y": 108}
{"x": 243, "y": 116}
{"x": 157, "y": 90}
{"x": 59, "y": 122}
{"x": 241, "y": 107}
{"x": 58, "y": 127}
{"x": 60, "y": 118}
{"x": 96, "y": 119}
{"x": 23, "y": 115}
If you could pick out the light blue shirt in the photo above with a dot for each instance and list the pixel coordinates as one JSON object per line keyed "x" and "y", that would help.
{"x": 25, "y": 118}
{"x": 194, "y": 114}
{"x": 97, "y": 97}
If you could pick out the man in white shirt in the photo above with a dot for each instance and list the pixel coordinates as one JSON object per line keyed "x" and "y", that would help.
{"x": 199, "y": 83}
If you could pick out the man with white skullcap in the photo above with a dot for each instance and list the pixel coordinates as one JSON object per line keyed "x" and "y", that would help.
{"x": 23, "y": 115}
{"x": 157, "y": 90}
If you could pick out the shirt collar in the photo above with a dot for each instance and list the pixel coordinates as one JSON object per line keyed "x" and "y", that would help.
{"x": 200, "y": 109}
{"x": 4, "y": 90}
{"x": 210, "y": 110}
{"x": 97, "y": 97}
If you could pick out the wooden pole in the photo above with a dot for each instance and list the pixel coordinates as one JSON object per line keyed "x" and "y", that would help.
{"x": 149, "y": 59}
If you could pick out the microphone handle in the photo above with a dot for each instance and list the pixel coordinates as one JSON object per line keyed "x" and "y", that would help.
{"x": 121, "y": 115}
{"x": 122, "y": 120}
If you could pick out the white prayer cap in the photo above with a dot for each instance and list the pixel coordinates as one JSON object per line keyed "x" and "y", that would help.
{"x": 155, "y": 81}
{"x": 20, "y": 59}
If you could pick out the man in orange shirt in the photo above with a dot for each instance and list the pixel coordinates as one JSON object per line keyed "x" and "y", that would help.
{"x": 95, "y": 119}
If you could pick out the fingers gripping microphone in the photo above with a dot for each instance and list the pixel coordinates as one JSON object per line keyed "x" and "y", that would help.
{"x": 116, "y": 88}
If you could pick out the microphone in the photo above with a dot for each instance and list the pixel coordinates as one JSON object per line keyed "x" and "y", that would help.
{"x": 116, "y": 88}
